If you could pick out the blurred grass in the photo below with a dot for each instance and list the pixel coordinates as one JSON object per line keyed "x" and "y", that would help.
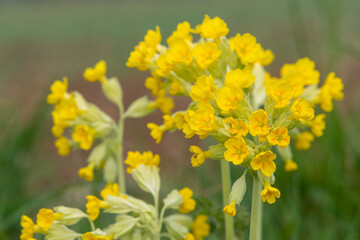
{"x": 42, "y": 41}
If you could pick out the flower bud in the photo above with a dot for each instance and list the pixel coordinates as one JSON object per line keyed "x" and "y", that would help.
{"x": 70, "y": 216}
{"x": 113, "y": 91}
{"x": 139, "y": 108}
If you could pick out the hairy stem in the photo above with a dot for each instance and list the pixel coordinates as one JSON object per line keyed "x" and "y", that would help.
{"x": 256, "y": 215}
{"x": 119, "y": 158}
{"x": 226, "y": 184}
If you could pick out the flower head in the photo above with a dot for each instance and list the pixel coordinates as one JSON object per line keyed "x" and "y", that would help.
{"x": 237, "y": 150}
{"x": 28, "y": 228}
{"x": 302, "y": 110}
{"x": 87, "y": 172}
{"x": 213, "y": 28}
{"x": 238, "y": 127}
{"x": 204, "y": 89}
{"x": 303, "y": 141}
{"x": 188, "y": 204}
{"x": 205, "y": 54}
{"x": 58, "y": 91}
{"x": 182, "y": 32}
{"x": 230, "y": 209}
{"x": 97, "y": 73}
{"x": 258, "y": 123}
{"x": 134, "y": 159}
{"x": 199, "y": 156}
{"x": 246, "y": 48}
{"x": 281, "y": 93}
{"x": 200, "y": 227}
{"x": 239, "y": 78}
{"x": 46, "y": 217}
{"x": 279, "y": 136}
{"x": 290, "y": 165}
{"x": 200, "y": 122}
{"x": 269, "y": 193}
{"x": 84, "y": 136}
{"x": 94, "y": 205}
{"x": 228, "y": 99}
{"x": 110, "y": 189}
{"x": 318, "y": 125}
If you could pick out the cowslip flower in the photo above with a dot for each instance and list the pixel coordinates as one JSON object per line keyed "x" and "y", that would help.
{"x": 290, "y": 165}
{"x": 63, "y": 145}
{"x": 230, "y": 209}
{"x": 94, "y": 205}
{"x": 198, "y": 156}
{"x": 238, "y": 127}
{"x": 318, "y": 125}
{"x": 281, "y": 93}
{"x": 331, "y": 90}
{"x": 246, "y": 47}
{"x": 302, "y": 110}
{"x": 303, "y": 141}
{"x": 28, "y": 228}
{"x": 279, "y": 136}
{"x": 188, "y": 204}
{"x": 97, "y": 73}
{"x": 212, "y": 28}
{"x": 200, "y": 122}
{"x": 239, "y": 78}
{"x": 84, "y": 136}
{"x": 228, "y": 99}
{"x": 58, "y": 90}
{"x": 204, "y": 89}
{"x": 91, "y": 236}
{"x": 200, "y": 227}
{"x": 155, "y": 84}
{"x": 111, "y": 189}
{"x": 237, "y": 150}
{"x": 269, "y": 193}
{"x": 134, "y": 159}
{"x": 265, "y": 162}
{"x": 179, "y": 53}
{"x": 258, "y": 123}
{"x": 182, "y": 32}
{"x": 46, "y": 217}
{"x": 156, "y": 131}
{"x": 205, "y": 54}
{"x": 87, "y": 173}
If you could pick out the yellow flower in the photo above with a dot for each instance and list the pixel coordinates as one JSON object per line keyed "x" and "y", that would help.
{"x": 141, "y": 57}
{"x": 189, "y": 236}
{"x": 156, "y": 131}
{"x": 153, "y": 38}
{"x": 179, "y": 120}
{"x": 58, "y": 90}
{"x": 290, "y": 165}
{"x": 281, "y": 92}
{"x": 238, "y": 127}
{"x": 182, "y": 32}
{"x": 84, "y": 136}
{"x": 246, "y": 48}
{"x": 164, "y": 65}
{"x": 279, "y": 136}
{"x": 65, "y": 110}
{"x": 204, "y": 89}
{"x": 303, "y": 141}
{"x": 258, "y": 123}
{"x": 28, "y": 228}
{"x": 201, "y": 122}
{"x": 176, "y": 88}
{"x": 237, "y": 150}
{"x": 134, "y": 159}
{"x": 97, "y": 73}
{"x": 164, "y": 103}
{"x": 155, "y": 84}
{"x": 199, "y": 156}
{"x": 228, "y": 99}
{"x": 239, "y": 78}
{"x": 91, "y": 236}
{"x": 63, "y": 146}
{"x": 213, "y": 28}
{"x": 318, "y": 125}
{"x": 205, "y": 54}
{"x": 302, "y": 110}
{"x": 188, "y": 204}
{"x": 87, "y": 172}
{"x": 332, "y": 89}
{"x": 269, "y": 193}
{"x": 230, "y": 209}
{"x": 306, "y": 69}
{"x": 46, "y": 217}
{"x": 94, "y": 205}
{"x": 265, "y": 57}
{"x": 269, "y": 80}
{"x": 265, "y": 162}
{"x": 200, "y": 227}
{"x": 110, "y": 189}
{"x": 168, "y": 121}
{"x": 180, "y": 53}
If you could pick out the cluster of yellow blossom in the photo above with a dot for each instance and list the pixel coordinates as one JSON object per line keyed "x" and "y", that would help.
{"x": 249, "y": 112}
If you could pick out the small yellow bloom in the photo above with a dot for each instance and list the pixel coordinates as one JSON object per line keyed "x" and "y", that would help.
{"x": 153, "y": 38}
{"x": 302, "y": 110}
{"x": 318, "y": 125}
{"x": 228, "y": 99}
{"x": 265, "y": 162}
{"x": 46, "y": 217}
{"x": 87, "y": 173}
{"x": 58, "y": 90}
{"x": 213, "y": 28}
{"x": 28, "y": 228}
{"x": 189, "y": 236}
{"x": 201, "y": 122}
{"x": 179, "y": 53}
{"x": 182, "y": 32}
{"x": 65, "y": 110}
{"x": 303, "y": 141}
{"x": 141, "y": 57}
{"x": 279, "y": 136}
{"x": 200, "y": 227}
{"x": 306, "y": 69}
{"x": 179, "y": 120}
{"x": 281, "y": 92}
{"x": 168, "y": 121}
{"x": 204, "y": 89}
{"x": 156, "y": 131}
{"x": 269, "y": 80}
{"x": 237, "y": 150}
{"x": 265, "y": 57}
{"x": 290, "y": 165}
{"x": 239, "y": 78}
{"x": 94, "y": 205}
{"x": 164, "y": 103}
{"x": 205, "y": 54}
{"x": 230, "y": 209}
{"x": 246, "y": 48}
{"x": 188, "y": 204}
{"x": 63, "y": 146}
{"x": 110, "y": 189}
{"x": 176, "y": 88}
{"x": 164, "y": 65}
{"x": 97, "y": 73}
{"x": 258, "y": 123}
{"x": 269, "y": 193}
{"x": 91, "y": 236}
{"x": 238, "y": 127}
{"x": 199, "y": 156}
{"x": 134, "y": 159}
{"x": 155, "y": 84}
{"x": 332, "y": 89}
{"x": 84, "y": 136}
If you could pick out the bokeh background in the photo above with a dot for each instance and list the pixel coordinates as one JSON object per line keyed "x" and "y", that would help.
{"x": 41, "y": 41}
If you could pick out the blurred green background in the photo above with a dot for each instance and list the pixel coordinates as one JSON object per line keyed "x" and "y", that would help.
{"x": 41, "y": 41}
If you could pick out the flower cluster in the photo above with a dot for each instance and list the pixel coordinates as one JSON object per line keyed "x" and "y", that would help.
{"x": 135, "y": 219}
{"x": 251, "y": 114}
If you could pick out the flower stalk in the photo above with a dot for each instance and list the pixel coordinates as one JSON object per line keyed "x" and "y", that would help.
{"x": 256, "y": 211}
{"x": 226, "y": 184}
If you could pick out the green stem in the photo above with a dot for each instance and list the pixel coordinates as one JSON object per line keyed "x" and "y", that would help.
{"x": 256, "y": 215}
{"x": 120, "y": 164}
{"x": 92, "y": 225}
{"x": 226, "y": 184}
